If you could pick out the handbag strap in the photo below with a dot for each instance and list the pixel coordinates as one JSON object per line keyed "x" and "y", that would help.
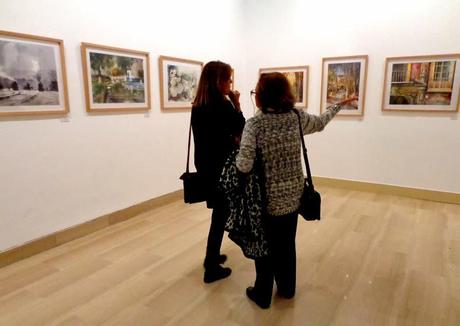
{"x": 304, "y": 150}
{"x": 188, "y": 150}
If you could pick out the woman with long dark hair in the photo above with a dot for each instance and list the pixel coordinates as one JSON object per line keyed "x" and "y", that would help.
{"x": 217, "y": 124}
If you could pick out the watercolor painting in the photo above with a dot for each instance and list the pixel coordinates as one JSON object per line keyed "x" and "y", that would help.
{"x": 343, "y": 78}
{"x": 32, "y": 75}
{"x": 115, "y": 79}
{"x": 428, "y": 83}
{"x": 178, "y": 82}
{"x": 298, "y": 79}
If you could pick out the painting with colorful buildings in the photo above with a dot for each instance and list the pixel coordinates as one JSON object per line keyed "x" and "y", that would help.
{"x": 422, "y": 83}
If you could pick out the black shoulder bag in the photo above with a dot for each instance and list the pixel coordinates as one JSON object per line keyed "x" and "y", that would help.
{"x": 310, "y": 202}
{"x": 195, "y": 190}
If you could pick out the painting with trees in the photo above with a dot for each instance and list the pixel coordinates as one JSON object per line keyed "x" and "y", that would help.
{"x": 115, "y": 79}
{"x": 298, "y": 79}
{"x": 32, "y": 75}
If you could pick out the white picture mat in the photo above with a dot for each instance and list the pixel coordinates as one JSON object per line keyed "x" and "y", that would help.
{"x": 60, "y": 80}
{"x": 304, "y": 83}
{"x": 194, "y": 67}
{"x": 420, "y": 107}
{"x": 362, "y": 75}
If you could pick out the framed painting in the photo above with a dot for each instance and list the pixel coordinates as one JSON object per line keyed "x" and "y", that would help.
{"x": 178, "y": 82}
{"x": 298, "y": 78}
{"x": 32, "y": 75}
{"x": 343, "y": 78}
{"x": 115, "y": 79}
{"x": 422, "y": 83}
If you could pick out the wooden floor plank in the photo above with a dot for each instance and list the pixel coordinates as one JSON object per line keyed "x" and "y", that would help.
{"x": 374, "y": 259}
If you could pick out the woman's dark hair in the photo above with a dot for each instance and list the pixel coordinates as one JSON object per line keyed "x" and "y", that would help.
{"x": 209, "y": 89}
{"x": 274, "y": 91}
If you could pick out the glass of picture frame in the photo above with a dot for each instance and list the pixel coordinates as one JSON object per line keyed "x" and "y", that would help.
{"x": 115, "y": 79}
{"x": 298, "y": 79}
{"x": 429, "y": 83}
{"x": 178, "y": 82}
{"x": 32, "y": 75}
{"x": 343, "y": 78}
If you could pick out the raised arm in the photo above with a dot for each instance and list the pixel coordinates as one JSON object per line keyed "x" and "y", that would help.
{"x": 312, "y": 123}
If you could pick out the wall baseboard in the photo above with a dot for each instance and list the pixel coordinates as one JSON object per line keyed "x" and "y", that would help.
{"x": 53, "y": 240}
{"x": 433, "y": 195}
{"x": 34, "y": 247}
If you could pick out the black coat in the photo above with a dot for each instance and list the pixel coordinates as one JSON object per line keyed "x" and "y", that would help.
{"x": 216, "y": 127}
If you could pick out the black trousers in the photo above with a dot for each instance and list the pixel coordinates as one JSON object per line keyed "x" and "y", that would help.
{"x": 219, "y": 217}
{"x": 280, "y": 265}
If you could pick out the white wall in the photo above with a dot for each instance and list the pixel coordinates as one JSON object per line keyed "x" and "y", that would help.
{"x": 55, "y": 173}
{"x": 420, "y": 150}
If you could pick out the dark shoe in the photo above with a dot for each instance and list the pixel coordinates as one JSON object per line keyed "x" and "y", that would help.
{"x": 285, "y": 295}
{"x": 251, "y": 293}
{"x": 220, "y": 260}
{"x": 216, "y": 273}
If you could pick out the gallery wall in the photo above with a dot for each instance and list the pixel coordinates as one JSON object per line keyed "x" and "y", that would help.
{"x": 59, "y": 172}
{"x": 417, "y": 150}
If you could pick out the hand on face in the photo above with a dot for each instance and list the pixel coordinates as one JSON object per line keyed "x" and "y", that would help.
{"x": 235, "y": 98}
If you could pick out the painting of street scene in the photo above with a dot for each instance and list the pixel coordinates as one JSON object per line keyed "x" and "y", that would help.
{"x": 29, "y": 75}
{"x": 116, "y": 78}
{"x": 343, "y": 80}
{"x": 422, "y": 83}
{"x": 182, "y": 83}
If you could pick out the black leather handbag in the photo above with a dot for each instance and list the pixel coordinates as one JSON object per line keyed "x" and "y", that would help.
{"x": 310, "y": 202}
{"x": 195, "y": 189}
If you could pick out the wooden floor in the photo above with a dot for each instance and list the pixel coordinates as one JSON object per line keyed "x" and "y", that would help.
{"x": 373, "y": 260}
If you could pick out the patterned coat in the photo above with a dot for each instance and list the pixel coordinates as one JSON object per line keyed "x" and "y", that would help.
{"x": 246, "y": 197}
{"x": 276, "y": 135}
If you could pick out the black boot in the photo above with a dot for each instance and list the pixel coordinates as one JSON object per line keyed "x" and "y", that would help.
{"x": 220, "y": 260}
{"x": 285, "y": 294}
{"x": 252, "y": 294}
{"x": 215, "y": 273}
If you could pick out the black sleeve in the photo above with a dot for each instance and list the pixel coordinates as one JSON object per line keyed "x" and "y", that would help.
{"x": 200, "y": 138}
{"x": 237, "y": 122}
{"x": 214, "y": 130}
